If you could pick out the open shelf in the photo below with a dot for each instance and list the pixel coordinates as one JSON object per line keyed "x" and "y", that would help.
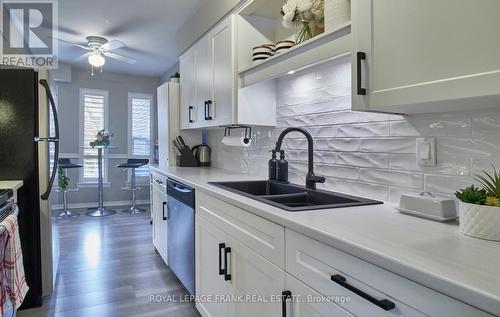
{"x": 320, "y": 48}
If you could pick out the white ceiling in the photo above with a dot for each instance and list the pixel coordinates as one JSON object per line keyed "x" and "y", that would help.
{"x": 147, "y": 27}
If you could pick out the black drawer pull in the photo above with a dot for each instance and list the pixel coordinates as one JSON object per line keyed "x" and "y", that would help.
{"x": 385, "y": 304}
{"x": 227, "y": 276}
{"x": 222, "y": 246}
{"x": 286, "y": 295}
{"x": 360, "y": 56}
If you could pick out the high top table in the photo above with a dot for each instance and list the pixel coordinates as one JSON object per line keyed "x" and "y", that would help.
{"x": 100, "y": 211}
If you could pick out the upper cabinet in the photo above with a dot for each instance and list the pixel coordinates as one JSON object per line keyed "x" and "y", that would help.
{"x": 414, "y": 57}
{"x": 209, "y": 85}
{"x": 187, "y": 90}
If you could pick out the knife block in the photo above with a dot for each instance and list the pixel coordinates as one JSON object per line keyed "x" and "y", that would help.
{"x": 187, "y": 159}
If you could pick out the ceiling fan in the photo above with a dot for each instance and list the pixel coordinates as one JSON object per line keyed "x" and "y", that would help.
{"x": 98, "y": 49}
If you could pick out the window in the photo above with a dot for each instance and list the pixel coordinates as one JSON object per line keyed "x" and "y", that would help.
{"x": 139, "y": 106}
{"x": 93, "y": 117}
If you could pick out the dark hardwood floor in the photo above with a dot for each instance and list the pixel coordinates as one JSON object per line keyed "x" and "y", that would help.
{"x": 108, "y": 267}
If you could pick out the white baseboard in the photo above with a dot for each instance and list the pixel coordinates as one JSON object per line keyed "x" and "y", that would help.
{"x": 106, "y": 204}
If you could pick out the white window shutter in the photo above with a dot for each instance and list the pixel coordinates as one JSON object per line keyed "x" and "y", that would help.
{"x": 93, "y": 121}
{"x": 140, "y": 129}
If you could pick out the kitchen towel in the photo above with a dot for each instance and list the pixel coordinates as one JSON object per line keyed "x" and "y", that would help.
{"x": 13, "y": 282}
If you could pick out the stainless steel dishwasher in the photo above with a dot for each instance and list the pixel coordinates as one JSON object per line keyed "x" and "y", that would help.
{"x": 180, "y": 214}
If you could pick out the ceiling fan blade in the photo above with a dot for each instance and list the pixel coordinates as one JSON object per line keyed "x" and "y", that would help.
{"x": 120, "y": 57}
{"x": 83, "y": 56}
{"x": 85, "y": 47}
{"x": 112, "y": 45}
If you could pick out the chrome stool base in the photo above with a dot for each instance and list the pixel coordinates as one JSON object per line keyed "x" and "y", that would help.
{"x": 65, "y": 214}
{"x": 100, "y": 212}
{"x": 135, "y": 210}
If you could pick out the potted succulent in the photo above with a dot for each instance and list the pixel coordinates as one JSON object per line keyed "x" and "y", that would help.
{"x": 175, "y": 77}
{"x": 480, "y": 207}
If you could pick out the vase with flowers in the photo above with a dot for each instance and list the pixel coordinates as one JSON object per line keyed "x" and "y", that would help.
{"x": 103, "y": 138}
{"x": 305, "y": 16}
{"x": 480, "y": 207}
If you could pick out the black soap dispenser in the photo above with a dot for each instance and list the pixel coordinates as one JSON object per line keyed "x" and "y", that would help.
{"x": 272, "y": 165}
{"x": 282, "y": 169}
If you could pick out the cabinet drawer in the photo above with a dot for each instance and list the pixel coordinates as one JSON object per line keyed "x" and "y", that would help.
{"x": 159, "y": 182}
{"x": 262, "y": 236}
{"x": 315, "y": 263}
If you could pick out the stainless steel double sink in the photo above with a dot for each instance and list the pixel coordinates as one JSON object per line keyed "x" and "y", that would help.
{"x": 292, "y": 197}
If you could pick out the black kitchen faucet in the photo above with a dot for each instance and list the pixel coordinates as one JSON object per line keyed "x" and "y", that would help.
{"x": 311, "y": 179}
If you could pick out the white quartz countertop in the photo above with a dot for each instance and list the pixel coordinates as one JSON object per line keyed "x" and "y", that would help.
{"x": 14, "y": 184}
{"x": 433, "y": 254}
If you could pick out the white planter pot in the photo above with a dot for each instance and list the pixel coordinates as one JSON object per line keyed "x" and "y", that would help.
{"x": 480, "y": 221}
{"x": 337, "y": 12}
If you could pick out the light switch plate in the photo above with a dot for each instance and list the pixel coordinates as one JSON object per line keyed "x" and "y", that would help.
{"x": 426, "y": 152}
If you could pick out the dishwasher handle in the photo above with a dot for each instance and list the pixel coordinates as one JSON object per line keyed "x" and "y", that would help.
{"x": 181, "y": 189}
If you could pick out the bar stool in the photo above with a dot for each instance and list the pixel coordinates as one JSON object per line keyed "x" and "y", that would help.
{"x": 66, "y": 164}
{"x": 133, "y": 164}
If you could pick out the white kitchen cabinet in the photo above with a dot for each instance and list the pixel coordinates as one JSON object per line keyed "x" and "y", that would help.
{"x": 203, "y": 81}
{"x": 220, "y": 106}
{"x": 209, "y": 85}
{"x": 188, "y": 111}
{"x": 414, "y": 57}
{"x": 168, "y": 123}
{"x": 256, "y": 280}
{"x": 159, "y": 215}
{"x": 209, "y": 250}
{"x": 227, "y": 266}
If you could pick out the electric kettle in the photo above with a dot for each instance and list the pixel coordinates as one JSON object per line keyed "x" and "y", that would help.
{"x": 202, "y": 153}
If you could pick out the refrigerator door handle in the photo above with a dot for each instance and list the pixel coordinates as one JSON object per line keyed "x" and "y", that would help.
{"x": 54, "y": 139}
{"x": 49, "y": 139}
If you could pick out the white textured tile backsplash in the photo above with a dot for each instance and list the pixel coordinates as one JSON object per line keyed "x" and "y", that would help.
{"x": 367, "y": 154}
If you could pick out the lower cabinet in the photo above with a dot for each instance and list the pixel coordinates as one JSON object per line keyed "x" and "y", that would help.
{"x": 238, "y": 274}
{"x": 233, "y": 280}
{"x": 255, "y": 282}
{"x": 210, "y": 282}
{"x": 159, "y": 215}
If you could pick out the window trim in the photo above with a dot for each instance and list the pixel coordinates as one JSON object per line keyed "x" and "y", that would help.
{"x": 105, "y": 94}
{"x": 150, "y": 97}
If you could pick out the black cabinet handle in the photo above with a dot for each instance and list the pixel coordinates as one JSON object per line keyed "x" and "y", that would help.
{"x": 227, "y": 276}
{"x": 222, "y": 271}
{"x": 163, "y": 211}
{"x": 360, "y": 56}
{"x": 385, "y": 304}
{"x": 208, "y": 103}
{"x": 190, "y": 109}
{"x": 286, "y": 295}
{"x": 205, "y": 109}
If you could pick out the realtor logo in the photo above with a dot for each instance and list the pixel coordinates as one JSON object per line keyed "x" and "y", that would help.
{"x": 29, "y": 32}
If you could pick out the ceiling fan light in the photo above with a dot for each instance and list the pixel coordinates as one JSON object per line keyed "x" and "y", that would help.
{"x": 96, "y": 59}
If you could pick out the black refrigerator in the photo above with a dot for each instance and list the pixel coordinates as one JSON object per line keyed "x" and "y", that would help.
{"x": 20, "y": 147}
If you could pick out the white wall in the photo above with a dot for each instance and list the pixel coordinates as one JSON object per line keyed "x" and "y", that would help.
{"x": 118, "y": 86}
{"x": 367, "y": 154}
